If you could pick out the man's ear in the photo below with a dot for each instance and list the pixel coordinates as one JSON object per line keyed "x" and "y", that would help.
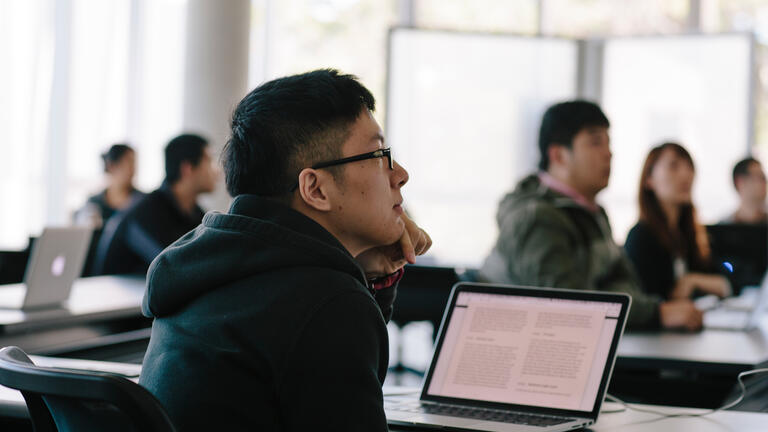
{"x": 737, "y": 183}
{"x": 557, "y": 154}
{"x": 312, "y": 189}
{"x": 185, "y": 169}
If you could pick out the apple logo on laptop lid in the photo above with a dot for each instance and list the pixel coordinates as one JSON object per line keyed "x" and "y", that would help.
{"x": 57, "y": 267}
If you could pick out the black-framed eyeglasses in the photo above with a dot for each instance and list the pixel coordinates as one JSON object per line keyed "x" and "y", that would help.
{"x": 380, "y": 153}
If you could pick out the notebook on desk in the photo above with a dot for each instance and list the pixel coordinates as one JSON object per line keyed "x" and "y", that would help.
{"x": 56, "y": 260}
{"x": 517, "y": 359}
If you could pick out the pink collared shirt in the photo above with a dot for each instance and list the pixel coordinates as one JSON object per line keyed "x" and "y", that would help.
{"x": 562, "y": 188}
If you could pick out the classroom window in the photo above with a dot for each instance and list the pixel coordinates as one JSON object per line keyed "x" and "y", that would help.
{"x": 519, "y": 16}
{"x": 294, "y": 36}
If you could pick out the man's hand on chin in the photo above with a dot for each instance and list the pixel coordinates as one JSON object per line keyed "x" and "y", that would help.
{"x": 384, "y": 260}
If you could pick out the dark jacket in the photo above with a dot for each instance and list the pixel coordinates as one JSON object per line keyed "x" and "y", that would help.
{"x": 546, "y": 239}
{"x": 97, "y": 212}
{"x": 654, "y": 263}
{"x": 264, "y": 322}
{"x": 105, "y": 211}
{"x": 134, "y": 237}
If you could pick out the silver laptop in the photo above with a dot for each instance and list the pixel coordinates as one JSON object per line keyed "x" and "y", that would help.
{"x": 518, "y": 359}
{"x": 56, "y": 260}
{"x": 732, "y": 315}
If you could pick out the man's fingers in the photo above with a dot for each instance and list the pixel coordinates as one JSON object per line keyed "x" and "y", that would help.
{"x": 415, "y": 241}
{"x": 424, "y": 243}
{"x": 406, "y": 245}
{"x": 695, "y": 320}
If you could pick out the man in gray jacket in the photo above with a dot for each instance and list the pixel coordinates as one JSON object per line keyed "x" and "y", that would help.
{"x": 552, "y": 233}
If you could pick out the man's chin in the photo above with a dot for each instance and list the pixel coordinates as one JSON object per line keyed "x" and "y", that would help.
{"x": 396, "y": 235}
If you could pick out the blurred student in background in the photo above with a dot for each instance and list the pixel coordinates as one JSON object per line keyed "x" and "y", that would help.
{"x": 133, "y": 238}
{"x": 120, "y": 167}
{"x": 750, "y": 183}
{"x": 552, "y": 232}
{"x": 668, "y": 246}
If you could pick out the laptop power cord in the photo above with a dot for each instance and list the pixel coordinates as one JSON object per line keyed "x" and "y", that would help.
{"x": 729, "y": 405}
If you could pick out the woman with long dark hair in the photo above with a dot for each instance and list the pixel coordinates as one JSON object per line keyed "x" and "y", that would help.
{"x": 668, "y": 246}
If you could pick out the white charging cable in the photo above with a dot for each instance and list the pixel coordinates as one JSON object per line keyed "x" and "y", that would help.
{"x": 732, "y": 404}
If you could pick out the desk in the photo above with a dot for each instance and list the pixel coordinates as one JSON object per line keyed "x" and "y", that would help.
{"x": 96, "y": 298}
{"x": 692, "y": 369}
{"x": 630, "y": 420}
{"x": 633, "y": 421}
{"x": 721, "y": 351}
{"x": 12, "y": 405}
{"x": 722, "y": 421}
{"x": 98, "y": 308}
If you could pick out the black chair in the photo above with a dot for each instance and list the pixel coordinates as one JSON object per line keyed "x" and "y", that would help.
{"x": 73, "y": 400}
{"x": 13, "y": 264}
{"x": 90, "y": 257}
{"x": 421, "y": 296}
{"x": 104, "y": 254}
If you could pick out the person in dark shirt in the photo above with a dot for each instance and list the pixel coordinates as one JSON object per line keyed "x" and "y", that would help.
{"x": 272, "y": 316}
{"x": 668, "y": 247}
{"x": 750, "y": 183}
{"x": 120, "y": 167}
{"x": 133, "y": 238}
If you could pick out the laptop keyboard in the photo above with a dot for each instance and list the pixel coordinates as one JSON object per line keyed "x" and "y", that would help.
{"x": 480, "y": 414}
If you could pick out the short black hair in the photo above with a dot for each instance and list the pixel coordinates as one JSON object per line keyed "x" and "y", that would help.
{"x": 114, "y": 154}
{"x": 287, "y": 124}
{"x": 562, "y": 121}
{"x": 183, "y": 148}
{"x": 742, "y": 168}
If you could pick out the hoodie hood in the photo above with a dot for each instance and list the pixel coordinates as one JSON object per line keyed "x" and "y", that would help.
{"x": 255, "y": 236}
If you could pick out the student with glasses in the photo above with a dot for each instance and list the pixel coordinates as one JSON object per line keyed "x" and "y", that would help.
{"x": 272, "y": 316}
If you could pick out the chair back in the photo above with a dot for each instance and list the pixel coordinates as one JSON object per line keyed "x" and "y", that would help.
{"x": 74, "y": 400}
{"x": 422, "y": 294}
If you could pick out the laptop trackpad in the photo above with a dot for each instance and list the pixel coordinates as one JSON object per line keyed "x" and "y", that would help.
{"x": 456, "y": 422}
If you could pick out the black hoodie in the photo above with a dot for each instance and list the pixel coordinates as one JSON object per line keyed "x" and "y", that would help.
{"x": 263, "y": 321}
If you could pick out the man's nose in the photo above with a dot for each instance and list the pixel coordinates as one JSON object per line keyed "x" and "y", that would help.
{"x": 399, "y": 176}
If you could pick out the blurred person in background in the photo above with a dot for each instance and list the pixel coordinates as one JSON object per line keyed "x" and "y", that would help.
{"x": 119, "y": 194}
{"x": 750, "y": 183}
{"x": 552, "y": 232}
{"x": 134, "y": 237}
{"x": 668, "y": 246}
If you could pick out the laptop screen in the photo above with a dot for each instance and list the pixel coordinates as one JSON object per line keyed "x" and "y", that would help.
{"x": 525, "y": 350}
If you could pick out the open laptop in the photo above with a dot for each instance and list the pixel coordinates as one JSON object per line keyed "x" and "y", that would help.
{"x": 56, "y": 260}
{"x": 518, "y": 359}
{"x": 725, "y": 317}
